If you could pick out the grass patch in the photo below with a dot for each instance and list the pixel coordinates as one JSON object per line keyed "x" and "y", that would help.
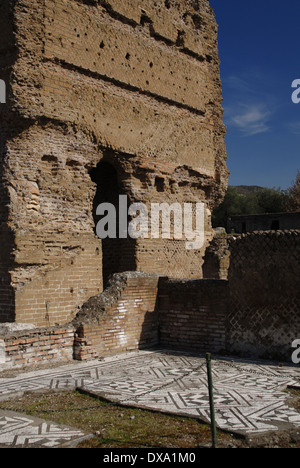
{"x": 295, "y": 394}
{"x": 114, "y": 426}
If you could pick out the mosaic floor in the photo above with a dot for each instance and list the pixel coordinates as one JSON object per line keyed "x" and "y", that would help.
{"x": 19, "y": 430}
{"x": 249, "y": 397}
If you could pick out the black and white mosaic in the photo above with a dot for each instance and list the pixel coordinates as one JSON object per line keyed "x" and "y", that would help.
{"x": 17, "y": 430}
{"x": 249, "y": 397}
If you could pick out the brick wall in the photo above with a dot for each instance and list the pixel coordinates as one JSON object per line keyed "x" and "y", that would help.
{"x": 7, "y": 297}
{"x": 36, "y": 347}
{"x": 137, "y": 310}
{"x": 255, "y": 313}
{"x": 51, "y": 259}
{"x": 134, "y": 83}
{"x": 192, "y": 314}
{"x": 7, "y": 294}
{"x": 124, "y": 317}
{"x": 51, "y": 297}
{"x": 264, "y": 307}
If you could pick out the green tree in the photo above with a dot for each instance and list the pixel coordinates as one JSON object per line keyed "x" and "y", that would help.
{"x": 272, "y": 200}
{"x": 230, "y": 207}
{"x": 264, "y": 200}
{"x": 294, "y": 193}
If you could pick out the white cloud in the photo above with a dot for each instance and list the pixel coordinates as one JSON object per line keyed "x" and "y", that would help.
{"x": 251, "y": 107}
{"x": 294, "y": 127}
{"x": 250, "y": 119}
{"x": 238, "y": 84}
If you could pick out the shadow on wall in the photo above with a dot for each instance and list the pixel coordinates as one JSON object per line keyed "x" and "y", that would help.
{"x": 264, "y": 279}
{"x": 192, "y": 314}
{"x": 124, "y": 317}
{"x": 141, "y": 310}
{"x": 7, "y": 292}
{"x": 7, "y": 242}
{"x": 118, "y": 254}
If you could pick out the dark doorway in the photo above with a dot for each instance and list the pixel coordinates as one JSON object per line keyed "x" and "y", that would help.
{"x": 275, "y": 225}
{"x": 118, "y": 254}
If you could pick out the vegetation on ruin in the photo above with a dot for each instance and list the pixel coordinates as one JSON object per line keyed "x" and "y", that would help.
{"x": 250, "y": 200}
{"x": 295, "y": 194}
{"x": 115, "y": 426}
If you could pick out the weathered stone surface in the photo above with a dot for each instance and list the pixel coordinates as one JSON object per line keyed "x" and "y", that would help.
{"x": 7, "y": 328}
{"x": 103, "y": 98}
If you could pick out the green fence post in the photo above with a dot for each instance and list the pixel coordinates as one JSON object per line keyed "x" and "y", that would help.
{"x": 211, "y": 401}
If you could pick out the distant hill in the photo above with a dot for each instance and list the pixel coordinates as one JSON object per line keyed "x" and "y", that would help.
{"x": 246, "y": 189}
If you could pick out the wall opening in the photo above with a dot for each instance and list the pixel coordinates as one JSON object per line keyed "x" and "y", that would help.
{"x": 275, "y": 225}
{"x": 118, "y": 254}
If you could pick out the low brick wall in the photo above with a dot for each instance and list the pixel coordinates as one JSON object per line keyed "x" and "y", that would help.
{"x": 35, "y": 347}
{"x": 192, "y": 314}
{"x": 255, "y": 313}
{"x": 136, "y": 311}
{"x": 123, "y": 318}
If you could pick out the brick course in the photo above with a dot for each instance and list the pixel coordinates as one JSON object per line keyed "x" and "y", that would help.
{"x": 136, "y": 311}
{"x": 192, "y": 314}
{"x": 128, "y": 323}
{"x": 37, "y": 347}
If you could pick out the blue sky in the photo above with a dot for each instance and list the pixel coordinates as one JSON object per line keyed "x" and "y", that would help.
{"x": 260, "y": 58}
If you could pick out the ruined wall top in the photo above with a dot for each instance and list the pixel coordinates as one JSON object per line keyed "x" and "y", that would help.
{"x": 141, "y": 77}
{"x": 116, "y": 95}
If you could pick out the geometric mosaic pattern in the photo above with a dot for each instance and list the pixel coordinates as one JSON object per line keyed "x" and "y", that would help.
{"x": 248, "y": 396}
{"x": 25, "y": 431}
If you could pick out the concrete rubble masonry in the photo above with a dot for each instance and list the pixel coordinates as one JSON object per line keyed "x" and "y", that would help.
{"x": 102, "y": 98}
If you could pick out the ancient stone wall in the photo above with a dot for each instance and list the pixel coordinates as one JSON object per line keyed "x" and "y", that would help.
{"x": 255, "y": 313}
{"x": 217, "y": 259}
{"x": 132, "y": 84}
{"x": 36, "y": 347}
{"x": 123, "y": 318}
{"x": 264, "y": 285}
{"x": 136, "y": 311}
{"x": 193, "y": 314}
